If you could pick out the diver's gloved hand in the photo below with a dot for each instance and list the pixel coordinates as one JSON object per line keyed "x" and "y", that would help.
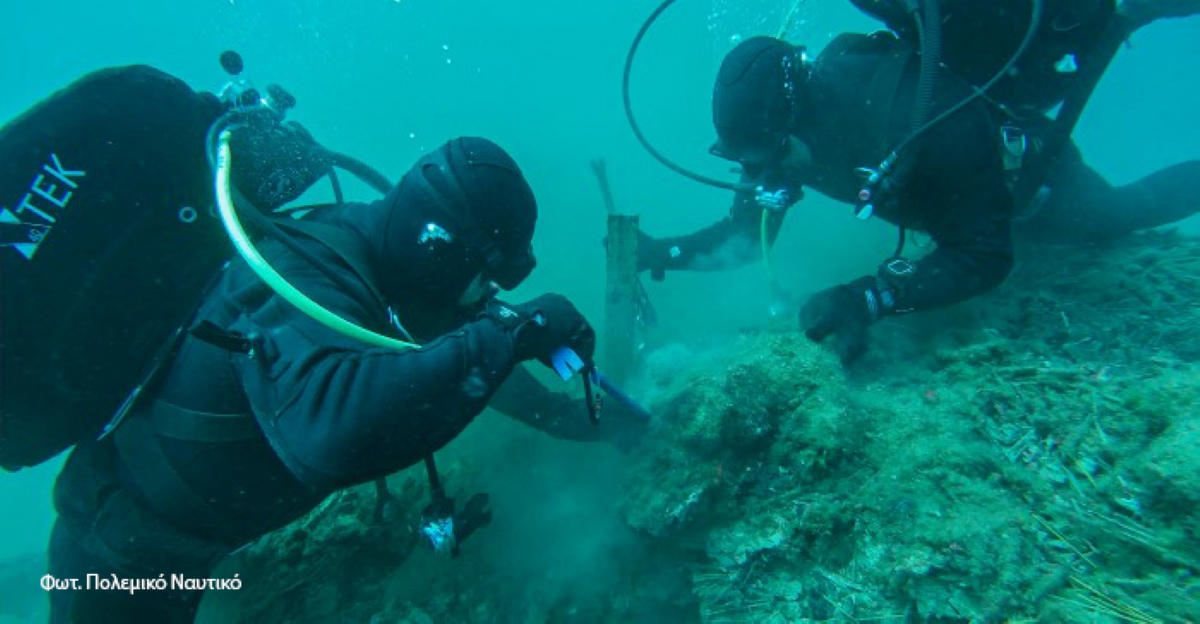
{"x": 654, "y": 255}
{"x": 845, "y": 312}
{"x": 275, "y": 163}
{"x": 444, "y": 530}
{"x": 543, "y": 325}
{"x": 474, "y": 516}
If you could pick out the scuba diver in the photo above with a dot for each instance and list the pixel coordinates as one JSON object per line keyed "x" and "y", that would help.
{"x": 260, "y": 408}
{"x": 925, "y": 143}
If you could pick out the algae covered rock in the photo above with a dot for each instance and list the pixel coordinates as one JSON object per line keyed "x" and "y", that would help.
{"x": 713, "y": 430}
{"x": 1032, "y": 454}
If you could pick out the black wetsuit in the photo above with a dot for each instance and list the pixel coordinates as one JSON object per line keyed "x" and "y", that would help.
{"x": 311, "y": 412}
{"x": 953, "y": 184}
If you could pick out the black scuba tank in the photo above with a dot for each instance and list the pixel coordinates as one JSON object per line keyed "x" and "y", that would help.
{"x": 107, "y": 238}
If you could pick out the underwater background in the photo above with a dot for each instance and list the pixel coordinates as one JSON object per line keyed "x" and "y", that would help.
{"x": 387, "y": 80}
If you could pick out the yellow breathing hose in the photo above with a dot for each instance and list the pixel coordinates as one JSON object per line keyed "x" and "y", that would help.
{"x": 272, "y": 278}
{"x": 766, "y": 248}
{"x": 788, "y": 20}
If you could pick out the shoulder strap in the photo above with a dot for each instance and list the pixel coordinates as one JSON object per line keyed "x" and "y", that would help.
{"x": 142, "y": 457}
{"x": 345, "y": 246}
{"x": 180, "y": 423}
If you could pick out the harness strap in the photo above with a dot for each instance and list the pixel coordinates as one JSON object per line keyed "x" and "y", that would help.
{"x": 210, "y": 332}
{"x": 154, "y": 476}
{"x": 176, "y": 422}
{"x": 344, "y": 246}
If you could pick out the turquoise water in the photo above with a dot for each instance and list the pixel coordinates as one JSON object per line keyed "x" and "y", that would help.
{"x": 386, "y": 80}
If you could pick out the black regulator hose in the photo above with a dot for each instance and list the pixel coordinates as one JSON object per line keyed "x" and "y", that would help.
{"x": 336, "y": 182}
{"x": 637, "y": 131}
{"x": 929, "y": 29}
{"x": 929, "y": 33}
{"x": 356, "y": 167}
{"x": 362, "y": 171}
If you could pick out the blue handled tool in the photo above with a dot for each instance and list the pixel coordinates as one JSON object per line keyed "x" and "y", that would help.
{"x": 566, "y": 362}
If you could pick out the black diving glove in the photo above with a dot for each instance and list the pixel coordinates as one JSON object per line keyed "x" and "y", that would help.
{"x": 543, "y": 325}
{"x": 444, "y": 530}
{"x": 845, "y": 311}
{"x": 276, "y": 162}
{"x": 654, "y": 255}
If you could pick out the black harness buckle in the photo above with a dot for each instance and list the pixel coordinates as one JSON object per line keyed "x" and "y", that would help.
{"x": 231, "y": 341}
